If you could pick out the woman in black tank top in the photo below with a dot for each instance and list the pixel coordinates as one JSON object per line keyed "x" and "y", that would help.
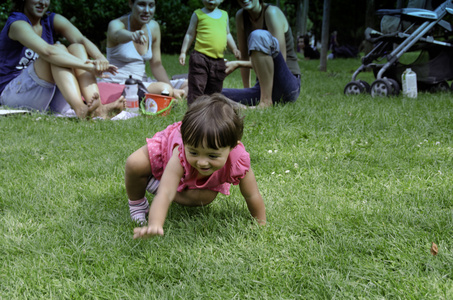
{"x": 266, "y": 44}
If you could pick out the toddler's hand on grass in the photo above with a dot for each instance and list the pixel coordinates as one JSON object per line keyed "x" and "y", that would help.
{"x": 148, "y": 231}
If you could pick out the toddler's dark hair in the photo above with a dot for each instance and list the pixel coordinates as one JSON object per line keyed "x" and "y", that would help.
{"x": 212, "y": 121}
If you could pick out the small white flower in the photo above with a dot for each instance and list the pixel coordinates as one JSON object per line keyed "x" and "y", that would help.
{"x": 425, "y": 141}
{"x": 270, "y": 151}
{"x": 272, "y": 173}
{"x": 287, "y": 171}
{"x": 296, "y": 165}
{"x": 275, "y": 151}
{"x": 437, "y": 143}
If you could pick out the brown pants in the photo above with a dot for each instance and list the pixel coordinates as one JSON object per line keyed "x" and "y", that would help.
{"x": 206, "y": 75}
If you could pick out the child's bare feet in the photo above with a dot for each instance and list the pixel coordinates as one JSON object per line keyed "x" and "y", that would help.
{"x": 107, "y": 111}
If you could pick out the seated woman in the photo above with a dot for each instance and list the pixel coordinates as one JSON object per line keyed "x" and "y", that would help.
{"x": 309, "y": 51}
{"x": 267, "y": 45}
{"x": 134, "y": 39}
{"x": 37, "y": 74}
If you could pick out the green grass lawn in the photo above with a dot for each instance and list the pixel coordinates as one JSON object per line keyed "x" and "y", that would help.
{"x": 356, "y": 190}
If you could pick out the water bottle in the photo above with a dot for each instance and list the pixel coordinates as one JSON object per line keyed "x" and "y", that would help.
{"x": 165, "y": 92}
{"x": 409, "y": 81}
{"x": 131, "y": 95}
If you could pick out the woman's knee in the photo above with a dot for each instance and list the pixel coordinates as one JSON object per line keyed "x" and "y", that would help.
{"x": 262, "y": 41}
{"x": 78, "y": 50}
{"x": 59, "y": 45}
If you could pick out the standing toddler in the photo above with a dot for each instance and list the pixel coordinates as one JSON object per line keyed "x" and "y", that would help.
{"x": 209, "y": 26}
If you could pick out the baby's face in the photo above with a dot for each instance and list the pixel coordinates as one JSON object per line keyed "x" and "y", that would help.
{"x": 206, "y": 160}
{"x": 211, "y": 4}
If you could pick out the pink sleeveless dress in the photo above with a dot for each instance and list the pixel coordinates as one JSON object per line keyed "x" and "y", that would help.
{"x": 160, "y": 150}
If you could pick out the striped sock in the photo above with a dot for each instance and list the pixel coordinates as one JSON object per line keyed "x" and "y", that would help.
{"x": 139, "y": 209}
{"x": 153, "y": 184}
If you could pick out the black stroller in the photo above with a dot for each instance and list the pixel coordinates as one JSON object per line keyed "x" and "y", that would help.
{"x": 434, "y": 65}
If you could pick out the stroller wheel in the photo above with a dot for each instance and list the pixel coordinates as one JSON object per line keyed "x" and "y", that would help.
{"x": 366, "y": 85}
{"x": 395, "y": 86}
{"x": 381, "y": 88}
{"x": 440, "y": 87}
{"x": 354, "y": 88}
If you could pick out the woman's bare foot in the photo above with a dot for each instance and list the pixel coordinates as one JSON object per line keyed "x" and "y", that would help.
{"x": 178, "y": 93}
{"x": 93, "y": 103}
{"x": 85, "y": 111}
{"x": 264, "y": 104}
{"x": 107, "y": 111}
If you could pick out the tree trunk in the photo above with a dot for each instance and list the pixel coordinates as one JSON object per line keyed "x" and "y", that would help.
{"x": 325, "y": 36}
{"x": 372, "y": 22}
{"x": 302, "y": 17}
{"x": 305, "y": 15}
{"x": 301, "y": 23}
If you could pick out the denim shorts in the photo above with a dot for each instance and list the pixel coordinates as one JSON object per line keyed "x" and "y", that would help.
{"x": 286, "y": 85}
{"x": 28, "y": 91}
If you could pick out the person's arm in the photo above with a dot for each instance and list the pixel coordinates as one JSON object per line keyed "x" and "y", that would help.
{"x": 277, "y": 25}
{"x": 188, "y": 38}
{"x": 230, "y": 42}
{"x": 233, "y": 65}
{"x": 118, "y": 34}
{"x": 66, "y": 29}
{"x": 252, "y": 196}
{"x": 22, "y": 32}
{"x": 165, "y": 195}
{"x": 155, "y": 63}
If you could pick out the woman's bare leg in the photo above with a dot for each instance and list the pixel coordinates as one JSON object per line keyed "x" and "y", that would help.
{"x": 89, "y": 88}
{"x": 67, "y": 83}
{"x": 263, "y": 65}
{"x": 158, "y": 87}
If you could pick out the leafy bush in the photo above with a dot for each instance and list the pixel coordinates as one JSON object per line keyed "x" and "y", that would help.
{"x": 91, "y": 17}
{"x": 174, "y": 18}
{"x": 4, "y": 12}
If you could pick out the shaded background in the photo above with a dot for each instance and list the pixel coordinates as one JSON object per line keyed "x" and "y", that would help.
{"x": 348, "y": 17}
